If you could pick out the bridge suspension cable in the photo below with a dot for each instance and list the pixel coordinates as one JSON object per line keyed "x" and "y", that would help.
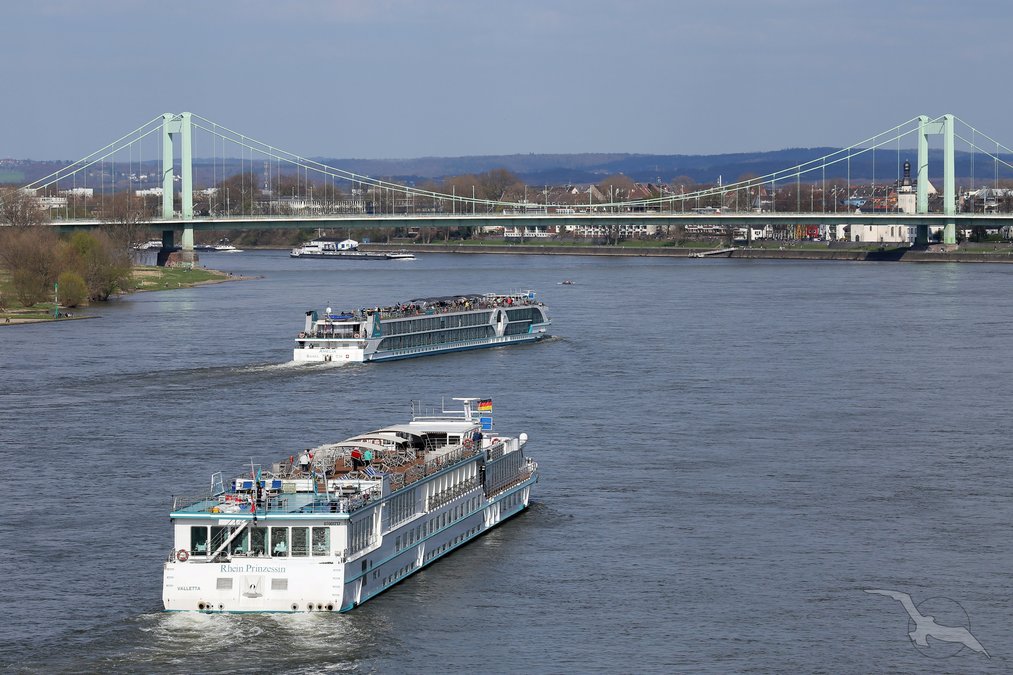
{"x": 281, "y": 166}
{"x": 99, "y": 155}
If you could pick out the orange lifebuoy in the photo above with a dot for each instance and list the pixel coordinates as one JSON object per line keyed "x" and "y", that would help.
{"x": 467, "y": 443}
{"x": 182, "y": 555}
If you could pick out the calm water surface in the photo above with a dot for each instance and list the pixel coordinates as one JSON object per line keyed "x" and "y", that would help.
{"x": 730, "y": 451}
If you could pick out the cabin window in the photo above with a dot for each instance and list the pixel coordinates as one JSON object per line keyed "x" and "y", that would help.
{"x": 279, "y": 541}
{"x": 258, "y": 541}
{"x": 321, "y": 541}
{"x": 224, "y": 584}
{"x": 199, "y": 539}
{"x": 300, "y": 541}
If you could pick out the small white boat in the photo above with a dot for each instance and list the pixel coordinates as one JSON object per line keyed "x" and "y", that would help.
{"x": 223, "y": 246}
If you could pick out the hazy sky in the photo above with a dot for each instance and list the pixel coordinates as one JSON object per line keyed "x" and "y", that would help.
{"x": 397, "y": 78}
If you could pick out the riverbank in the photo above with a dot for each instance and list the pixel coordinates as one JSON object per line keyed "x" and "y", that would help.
{"x": 144, "y": 278}
{"x": 794, "y": 252}
{"x": 152, "y": 278}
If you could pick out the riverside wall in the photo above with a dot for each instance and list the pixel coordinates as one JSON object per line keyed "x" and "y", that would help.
{"x": 882, "y": 255}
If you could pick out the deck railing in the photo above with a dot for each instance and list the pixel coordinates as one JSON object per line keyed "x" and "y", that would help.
{"x": 440, "y": 498}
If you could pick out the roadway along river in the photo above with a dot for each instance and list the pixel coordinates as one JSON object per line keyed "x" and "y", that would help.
{"x": 731, "y": 452}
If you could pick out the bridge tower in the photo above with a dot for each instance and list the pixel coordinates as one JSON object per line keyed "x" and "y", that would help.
{"x": 925, "y": 129}
{"x": 178, "y": 125}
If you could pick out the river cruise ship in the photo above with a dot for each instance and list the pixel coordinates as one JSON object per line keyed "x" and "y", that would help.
{"x": 326, "y": 529}
{"x": 421, "y": 327}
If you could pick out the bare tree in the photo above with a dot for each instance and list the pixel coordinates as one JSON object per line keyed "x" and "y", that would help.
{"x": 31, "y": 256}
{"x": 20, "y": 208}
{"x": 616, "y": 188}
{"x": 123, "y": 217}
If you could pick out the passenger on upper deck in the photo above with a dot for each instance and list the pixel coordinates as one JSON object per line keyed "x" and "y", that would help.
{"x": 304, "y": 462}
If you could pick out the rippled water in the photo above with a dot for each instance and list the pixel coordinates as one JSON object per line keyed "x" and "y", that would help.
{"x": 731, "y": 451}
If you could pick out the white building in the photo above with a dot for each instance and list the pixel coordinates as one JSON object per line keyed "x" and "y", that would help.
{"x": 527, "y": 231}
{"x": 628, "y": 229}
{"x": 888, "y": 233}
{"x": 51, "y": 202}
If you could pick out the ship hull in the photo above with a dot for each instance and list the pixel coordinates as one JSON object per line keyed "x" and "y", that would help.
{"x": 351, "y": 353}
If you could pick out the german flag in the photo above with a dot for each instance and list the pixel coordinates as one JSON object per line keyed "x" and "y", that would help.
{"x": 485, "y": 405}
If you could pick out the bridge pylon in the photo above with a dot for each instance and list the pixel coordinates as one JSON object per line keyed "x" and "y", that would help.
{"x": 926, "y": 128}
{"x": 178, "y": 124}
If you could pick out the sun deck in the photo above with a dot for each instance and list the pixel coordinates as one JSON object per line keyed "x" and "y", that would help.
{"x": 343, "y": 477}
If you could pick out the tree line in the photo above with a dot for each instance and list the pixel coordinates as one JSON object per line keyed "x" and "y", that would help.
{"x": 87, "y": 266}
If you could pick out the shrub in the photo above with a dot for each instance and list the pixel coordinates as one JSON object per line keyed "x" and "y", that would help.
{"x": 73, "y": 290}
{"x": 30, "y": 287}
{"x": 103, "y": 267}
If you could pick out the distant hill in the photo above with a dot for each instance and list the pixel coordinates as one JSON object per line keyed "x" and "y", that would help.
{"x": 562, "y": 169}
{"x": 537, "y": 169}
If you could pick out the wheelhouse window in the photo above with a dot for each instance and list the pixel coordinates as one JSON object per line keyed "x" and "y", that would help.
{"x": 300, "y": 541}
{"x": 279, "y": 541}
{"x": 321, "y": 541}
{"x": 219, "y": 534}
{"x": 258, "y": 541}
{"x": 199, "y": 539}
{"x": 241, "y": 544}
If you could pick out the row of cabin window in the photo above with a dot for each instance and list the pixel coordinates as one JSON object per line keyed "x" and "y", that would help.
{"x": 434, "y": 524}
{"x": 437, "y": 338}
{"x": 450, "y": 544}
{"x": 281, "y": 541}
{"x": 435, "y": 323}
{"x": 397, "y": 575}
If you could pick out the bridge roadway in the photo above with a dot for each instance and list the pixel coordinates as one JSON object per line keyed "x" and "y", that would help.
{"x": 738, "y": 219}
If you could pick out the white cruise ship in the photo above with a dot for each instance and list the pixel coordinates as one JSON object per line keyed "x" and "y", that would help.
{"x": 328, "y": 529}
{"x": 421, "y": 327}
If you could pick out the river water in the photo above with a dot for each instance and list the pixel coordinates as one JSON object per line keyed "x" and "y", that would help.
{"x": 731, "y": 452}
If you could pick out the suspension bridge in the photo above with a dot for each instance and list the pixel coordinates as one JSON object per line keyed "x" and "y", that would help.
{"x": 211, "y": 193}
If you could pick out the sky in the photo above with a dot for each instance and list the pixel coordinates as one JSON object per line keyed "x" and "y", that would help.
{"x": 402, "y": 78}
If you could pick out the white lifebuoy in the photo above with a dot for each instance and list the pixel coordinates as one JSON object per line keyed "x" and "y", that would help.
{"x": 182, "y": 555}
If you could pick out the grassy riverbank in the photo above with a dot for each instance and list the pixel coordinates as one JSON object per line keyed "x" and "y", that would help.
{"x": 143, "y": 278}
{"x": 149, "y": 278}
